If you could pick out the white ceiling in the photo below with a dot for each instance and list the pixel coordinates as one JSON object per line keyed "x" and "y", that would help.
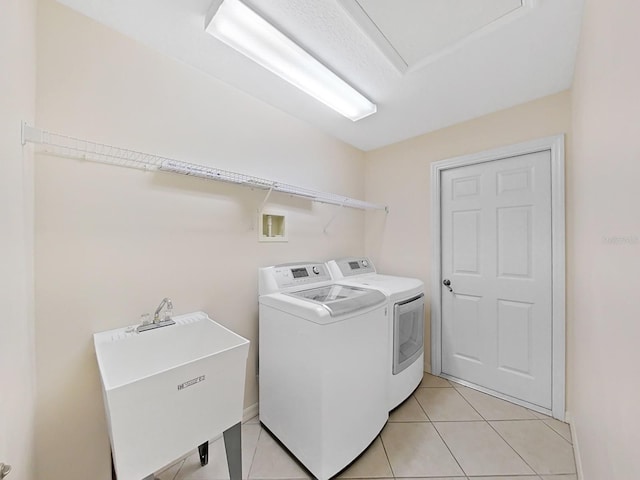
{"x": 415, "y": 32}
{"x": 427, "y": 64}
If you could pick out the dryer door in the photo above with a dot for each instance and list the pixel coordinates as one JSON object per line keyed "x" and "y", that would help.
{"x": 408, "y": 332}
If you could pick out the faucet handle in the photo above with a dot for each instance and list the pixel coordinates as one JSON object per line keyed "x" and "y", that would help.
{"x": 4, "y": 470}
{"x": 169, "y": 311}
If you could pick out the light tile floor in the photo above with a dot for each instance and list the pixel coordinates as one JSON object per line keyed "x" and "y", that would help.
{"x": 442, "y": 431}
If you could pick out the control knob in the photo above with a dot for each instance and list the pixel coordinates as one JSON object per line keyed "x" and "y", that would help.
{"x": 365, "y": 263}
{"x": 316, "y": 270}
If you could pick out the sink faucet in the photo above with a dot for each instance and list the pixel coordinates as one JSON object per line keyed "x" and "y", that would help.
{"x": 167, "y": 315}
{"x": 157, "y": 321}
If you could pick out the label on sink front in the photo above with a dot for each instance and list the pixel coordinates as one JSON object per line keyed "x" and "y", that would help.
{"x": 191, "y": 382}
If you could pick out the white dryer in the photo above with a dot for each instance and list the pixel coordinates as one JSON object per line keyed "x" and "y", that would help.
{"x": 323, "y": 349}
{"x": 405, "y": 364}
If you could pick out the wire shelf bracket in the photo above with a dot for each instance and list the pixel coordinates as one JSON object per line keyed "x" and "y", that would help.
{"x": 324, "y": 230}
{"x": 72, "y": 147}
{"x": 266, "y": 198}
{"x": 30, "y": 134}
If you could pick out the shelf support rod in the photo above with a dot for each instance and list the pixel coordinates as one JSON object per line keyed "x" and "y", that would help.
{"x": 324, "y": 230}
{"x": 266, "y": 198}
{"x": 264, "y": 202}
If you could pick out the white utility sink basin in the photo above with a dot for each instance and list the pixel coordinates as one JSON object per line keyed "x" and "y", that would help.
{"x": 168, "y": 390}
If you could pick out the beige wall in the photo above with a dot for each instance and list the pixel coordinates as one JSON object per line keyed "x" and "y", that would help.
{"x": 399, "y": 176}
{"x": 112, "y": 242}
{"x": 17, "y": 364}
{"x": 605, "y": 201}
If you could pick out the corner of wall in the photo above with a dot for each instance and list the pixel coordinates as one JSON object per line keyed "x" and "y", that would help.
{"x": 575, "y": 442}
{"x": 17, "y": 341}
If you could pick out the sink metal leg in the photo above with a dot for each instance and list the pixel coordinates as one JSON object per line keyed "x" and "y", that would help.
{"x": 203, "y": 452}
{"x": 113, "y": 469}
{"x": 233, "y": 449}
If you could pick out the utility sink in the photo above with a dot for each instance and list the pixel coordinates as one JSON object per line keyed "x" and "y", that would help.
{"x": 169, "y": 390}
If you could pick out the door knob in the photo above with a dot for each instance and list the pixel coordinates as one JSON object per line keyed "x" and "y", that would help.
{"x": 4, "y": 470}
{"x": 447, "y": 283}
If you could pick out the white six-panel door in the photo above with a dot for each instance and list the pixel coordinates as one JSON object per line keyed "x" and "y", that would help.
{"x": 496, "y": 251}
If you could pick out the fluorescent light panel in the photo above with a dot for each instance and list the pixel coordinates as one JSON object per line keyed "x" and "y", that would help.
{"x": 244, "y": 30}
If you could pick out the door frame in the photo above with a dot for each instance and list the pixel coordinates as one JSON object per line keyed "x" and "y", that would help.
{"x": 554, "y": 144}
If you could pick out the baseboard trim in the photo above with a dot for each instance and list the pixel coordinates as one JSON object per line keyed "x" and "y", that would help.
{"x": 250, "y": 412}
{"x": 576, "y": 448}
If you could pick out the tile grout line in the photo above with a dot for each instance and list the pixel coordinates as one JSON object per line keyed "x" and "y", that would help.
{"x": 573, "y": 451}
{"x": 384, "y": 448}
{"x": 556, "y": 432}
{"x": 286, "y": 451}
{"x": 179, "y": 468}
{"x": 289, "y": 454}
{"x": 443, "y": 440}
{"x": 449, "y": 449}
{"x": 491, "y": 426}
{"x": 469, "y": 403}
{"x": 511, "y": 447}
{"x": 253, "y": 457}
{"x": 428, "y": 421}
{"x": 421, "y": 408}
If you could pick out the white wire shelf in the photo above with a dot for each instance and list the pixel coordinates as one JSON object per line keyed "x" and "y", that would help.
{"x": 66, "y": 146}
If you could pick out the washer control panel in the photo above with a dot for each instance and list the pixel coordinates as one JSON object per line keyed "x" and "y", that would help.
{"x": 293, "y": 275}
{"x": 355, "y": 266}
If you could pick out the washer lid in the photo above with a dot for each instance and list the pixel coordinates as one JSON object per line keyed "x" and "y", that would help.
{"x": 341, "y": 299}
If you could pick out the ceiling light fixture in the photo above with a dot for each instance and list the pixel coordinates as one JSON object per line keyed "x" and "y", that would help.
{"x": 237, "y": 25}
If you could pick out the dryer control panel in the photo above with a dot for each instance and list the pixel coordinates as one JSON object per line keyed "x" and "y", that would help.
{"x": 282, "y": 277}
{"x": 348, "y": 267}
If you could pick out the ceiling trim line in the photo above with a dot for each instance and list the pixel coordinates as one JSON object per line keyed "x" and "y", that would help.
{"x": 366, "y": 24}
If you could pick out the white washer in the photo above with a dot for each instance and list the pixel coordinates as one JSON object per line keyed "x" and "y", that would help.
{"x": 323, "y": 350}
{"x": 405, "y": 365}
